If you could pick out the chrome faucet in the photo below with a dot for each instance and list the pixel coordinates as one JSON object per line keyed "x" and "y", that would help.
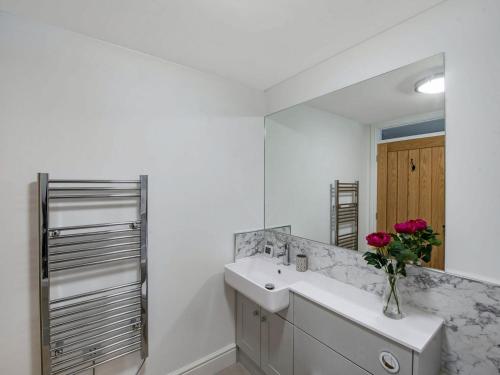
{"x": 285, "y": 254}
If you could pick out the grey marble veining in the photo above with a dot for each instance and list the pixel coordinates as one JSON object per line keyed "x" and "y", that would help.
{"x": 252, "y": 242}
{"x": 471, "y": 309}
{"x": 248, "y": 243}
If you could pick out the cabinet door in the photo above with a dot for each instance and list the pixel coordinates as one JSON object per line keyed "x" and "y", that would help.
{"x": 311, "y": 357}
{"x": 276, "y": 345}
{"x": 248, "y": 327}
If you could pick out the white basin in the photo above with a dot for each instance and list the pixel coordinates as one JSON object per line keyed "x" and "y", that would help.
{"x": 250, "y": 275}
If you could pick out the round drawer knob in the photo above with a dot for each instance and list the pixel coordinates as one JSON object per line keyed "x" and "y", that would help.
{"x": 389, "y": 362}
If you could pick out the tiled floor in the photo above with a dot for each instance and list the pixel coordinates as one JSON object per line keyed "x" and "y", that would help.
{"x": 235, "y": 369}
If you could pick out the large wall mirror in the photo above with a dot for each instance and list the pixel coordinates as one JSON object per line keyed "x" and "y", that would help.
{"x": 361, "y": 159}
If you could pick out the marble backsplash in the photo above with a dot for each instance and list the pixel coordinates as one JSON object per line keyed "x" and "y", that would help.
{"x": 248, "y": 243}
{"x": 251, "y": 243}
{"x": 471, "y": 309}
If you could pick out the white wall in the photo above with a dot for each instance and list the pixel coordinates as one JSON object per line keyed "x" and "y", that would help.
{"x": 306, "y": 150}
{"x": 78, "y": 107}
{"x": 468, "y": 33}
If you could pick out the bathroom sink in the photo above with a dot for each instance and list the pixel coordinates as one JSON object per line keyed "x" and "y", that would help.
{"x": 251, "y": 275}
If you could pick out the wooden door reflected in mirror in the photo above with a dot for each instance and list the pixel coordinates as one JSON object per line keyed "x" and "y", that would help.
{"x": 411, "y": 184}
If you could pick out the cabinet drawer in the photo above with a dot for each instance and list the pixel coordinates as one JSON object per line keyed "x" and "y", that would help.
{"x": 360, "y": 345}
{"x": 313, "y": 357}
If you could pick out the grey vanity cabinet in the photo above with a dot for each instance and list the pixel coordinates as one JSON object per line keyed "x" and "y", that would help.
{"x": 276, "y": 354}
{"x": 362, "y": 347}
{"x": 311, "y": 340}
{"x": 248, "y": 327}
{"x": 265, "y": 338}
{"x": 313, "y": 357}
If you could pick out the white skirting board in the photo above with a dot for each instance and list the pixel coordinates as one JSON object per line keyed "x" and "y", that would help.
{"x": 211, "y": 364}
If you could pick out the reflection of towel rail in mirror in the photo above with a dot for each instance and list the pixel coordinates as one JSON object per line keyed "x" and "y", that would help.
{"x": 344, "y": 215}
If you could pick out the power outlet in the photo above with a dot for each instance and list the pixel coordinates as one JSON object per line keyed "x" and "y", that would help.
{"x": 269, "y": 249}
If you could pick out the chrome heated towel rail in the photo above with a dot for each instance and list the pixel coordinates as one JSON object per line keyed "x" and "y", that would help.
{"x": 82, "y": 331}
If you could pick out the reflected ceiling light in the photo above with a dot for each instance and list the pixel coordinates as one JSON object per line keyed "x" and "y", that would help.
{"x": 431, "y": 85}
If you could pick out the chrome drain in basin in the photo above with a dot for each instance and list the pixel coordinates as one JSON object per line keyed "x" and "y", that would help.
{"x": 269, "y": 286}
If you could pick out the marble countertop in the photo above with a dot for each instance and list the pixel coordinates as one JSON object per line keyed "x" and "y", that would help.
{"x": 414, "y": 331}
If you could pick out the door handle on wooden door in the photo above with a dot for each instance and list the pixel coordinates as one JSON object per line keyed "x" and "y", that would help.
{"x": 412, "y": 165}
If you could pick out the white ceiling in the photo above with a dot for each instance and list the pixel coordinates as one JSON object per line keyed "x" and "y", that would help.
{"x": 387, "y": 97}
{"x": 257, "y": 42}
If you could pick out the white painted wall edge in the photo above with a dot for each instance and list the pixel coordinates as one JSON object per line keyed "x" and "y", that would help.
{"x": 471, "y": 276}
{"x": 400, "y": 139}
{"x": 413, "y": 119}
{"x": 210, "y": 364}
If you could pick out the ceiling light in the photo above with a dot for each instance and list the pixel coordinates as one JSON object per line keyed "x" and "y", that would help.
{"x": 431, "y": 85}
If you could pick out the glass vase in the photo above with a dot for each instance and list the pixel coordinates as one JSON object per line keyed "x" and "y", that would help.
{"x": 392, "y": 306}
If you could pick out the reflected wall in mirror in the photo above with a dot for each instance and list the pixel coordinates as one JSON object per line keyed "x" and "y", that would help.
{"x": 361, "y": 159}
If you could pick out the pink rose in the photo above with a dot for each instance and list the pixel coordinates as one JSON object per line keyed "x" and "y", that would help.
{"x": 378, "y": 239}
{"x": 408, "y": 227}
{"x": 420, "y": 224}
